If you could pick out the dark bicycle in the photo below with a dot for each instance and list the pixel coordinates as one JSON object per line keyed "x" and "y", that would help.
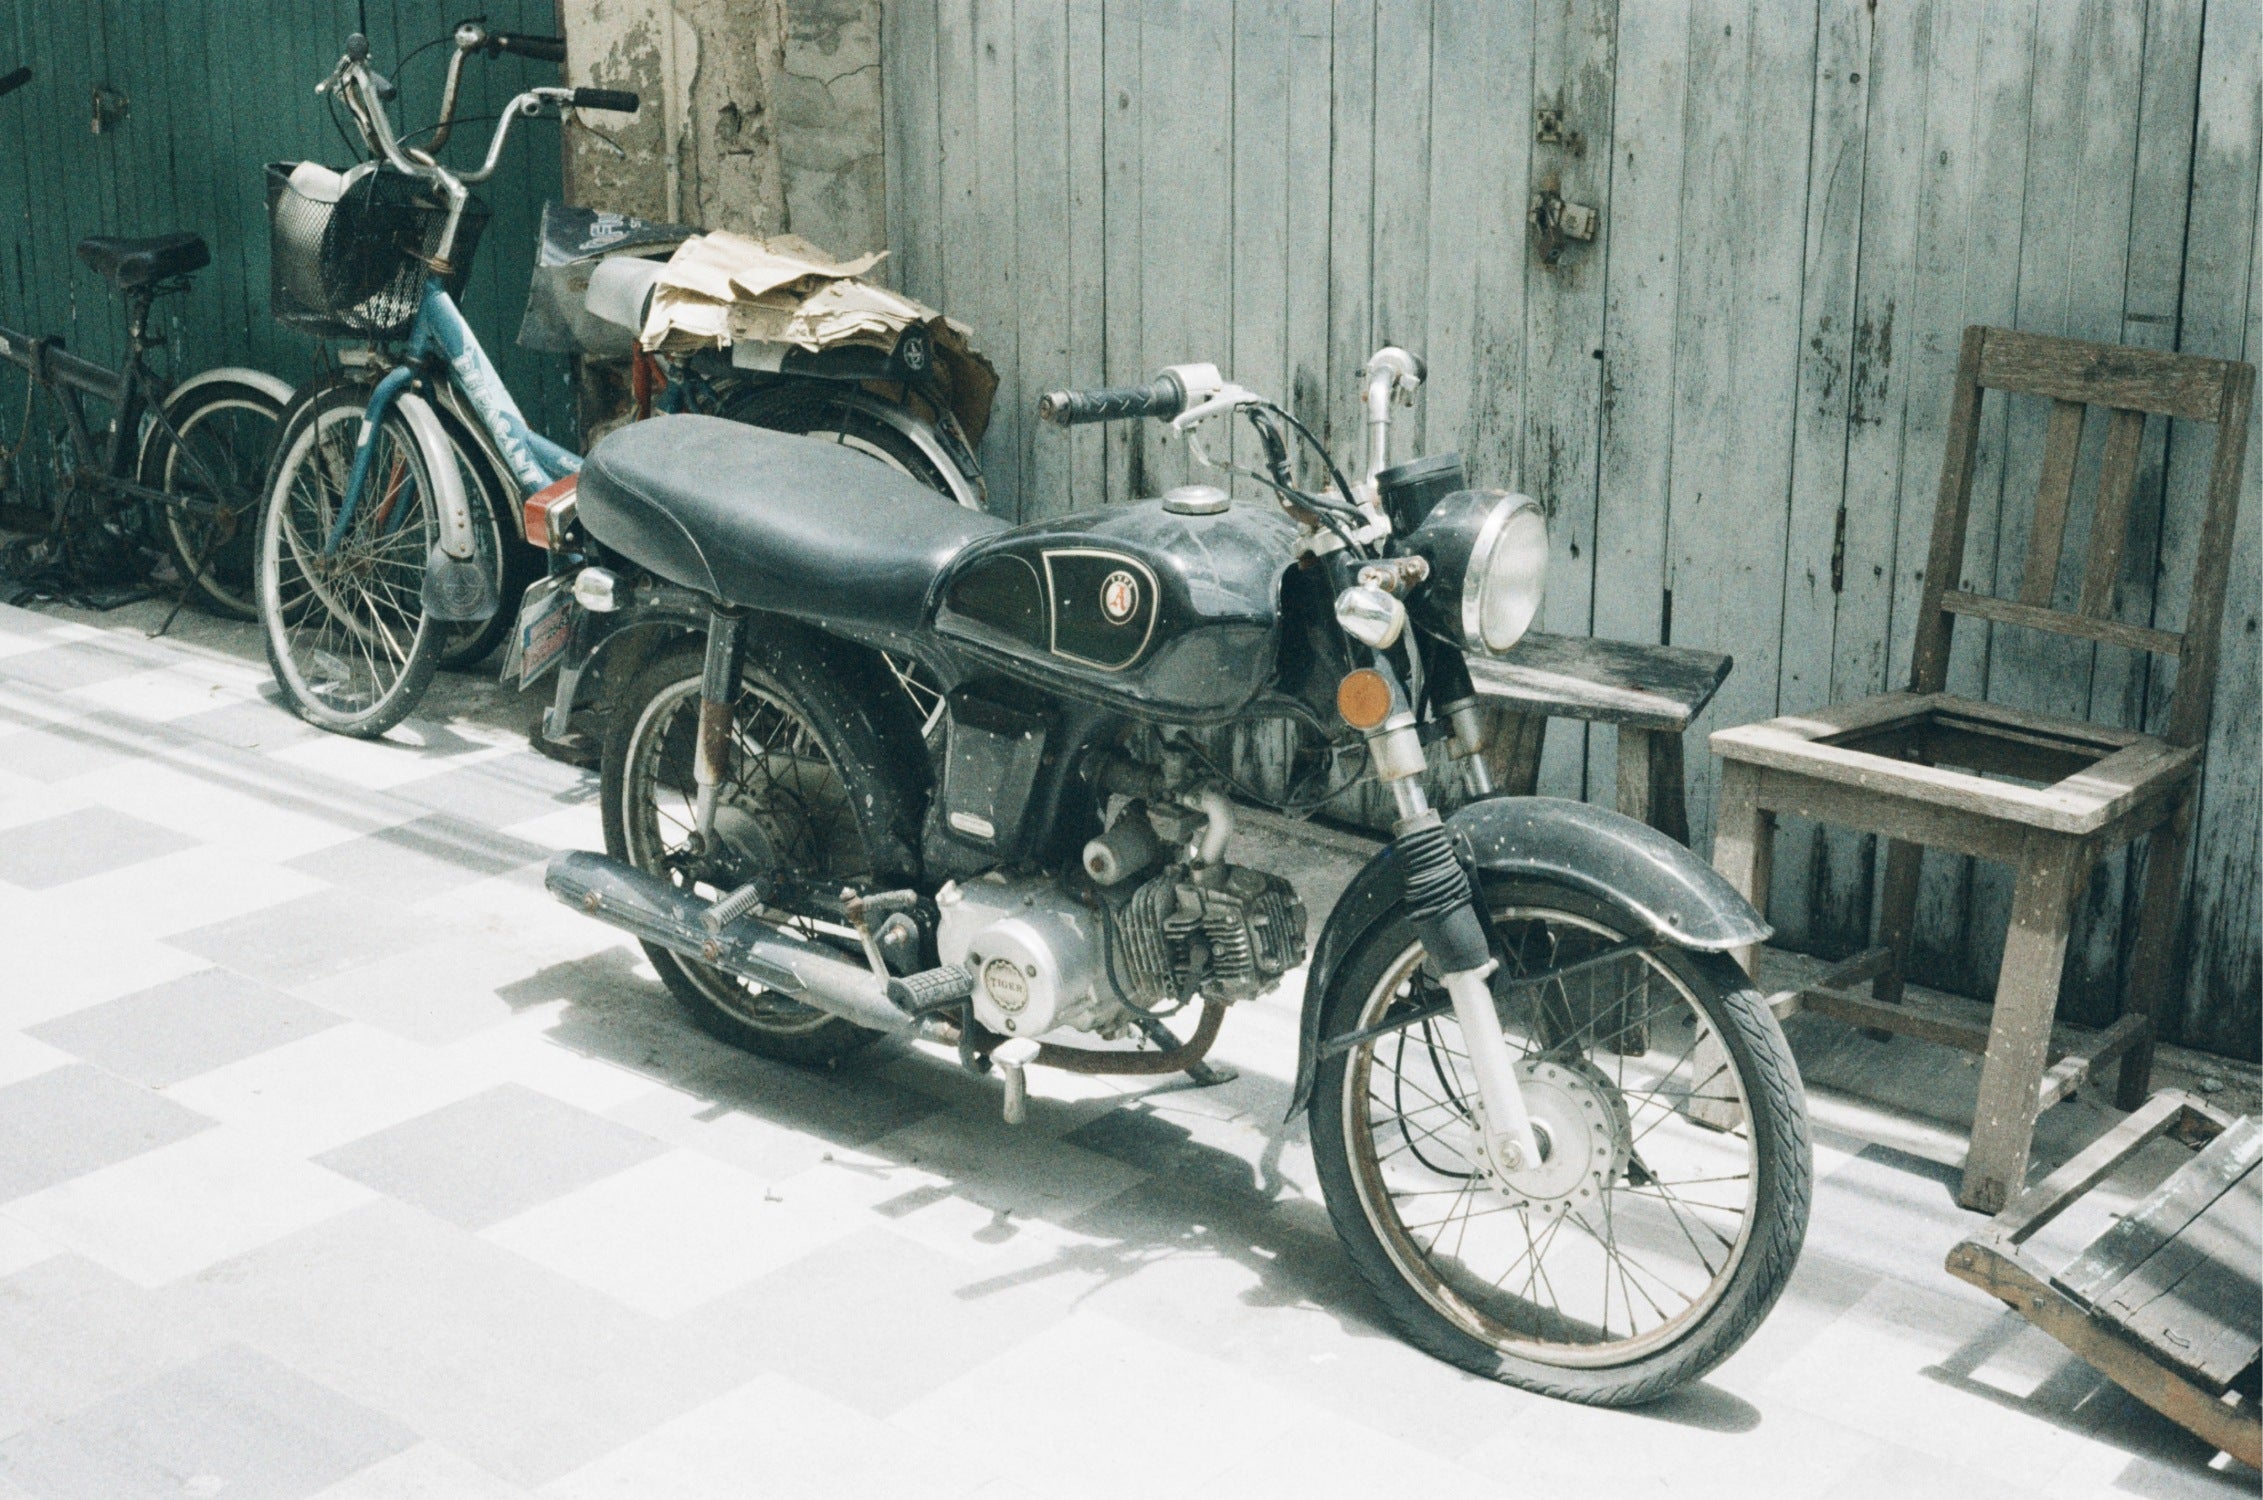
{"x": 177, "y": 468}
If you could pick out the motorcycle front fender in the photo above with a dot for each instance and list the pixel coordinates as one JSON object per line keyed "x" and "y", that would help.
{"x": 1662, "y": 884}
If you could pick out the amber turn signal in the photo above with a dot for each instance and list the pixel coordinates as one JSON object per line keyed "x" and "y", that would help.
{"x": 550, "y": 501}
{"x": 1364, "y": 698}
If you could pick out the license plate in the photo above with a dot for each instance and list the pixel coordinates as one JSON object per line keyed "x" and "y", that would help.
{"x": 545, "y": 629}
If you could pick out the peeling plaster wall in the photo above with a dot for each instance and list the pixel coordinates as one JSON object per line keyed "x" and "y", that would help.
{"x": 829, "y": 125}
{"x": 704, "y": 149}
{"x": 760, "y": 115}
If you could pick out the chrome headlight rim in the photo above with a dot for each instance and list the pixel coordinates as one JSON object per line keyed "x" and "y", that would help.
{"x": 1462, "y": 538}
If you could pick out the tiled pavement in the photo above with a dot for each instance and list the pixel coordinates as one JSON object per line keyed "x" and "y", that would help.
{"x": 335, "y": 1160}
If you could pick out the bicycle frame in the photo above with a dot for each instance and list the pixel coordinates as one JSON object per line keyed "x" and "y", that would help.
{"x": 441, "y": 332}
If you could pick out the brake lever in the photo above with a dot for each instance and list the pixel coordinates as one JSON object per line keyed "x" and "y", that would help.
{"x": 1226, "y": 398}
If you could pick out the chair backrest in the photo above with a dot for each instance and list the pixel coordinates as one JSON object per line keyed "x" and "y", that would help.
{"x": 2129, "y": 384}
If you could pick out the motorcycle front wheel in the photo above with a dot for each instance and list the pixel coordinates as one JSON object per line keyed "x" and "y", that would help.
{"x": 1666, "y": 1213}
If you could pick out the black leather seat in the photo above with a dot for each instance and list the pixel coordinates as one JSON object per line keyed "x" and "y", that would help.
{"x": 132, "y": 263}
{"x": 795, "y": 525}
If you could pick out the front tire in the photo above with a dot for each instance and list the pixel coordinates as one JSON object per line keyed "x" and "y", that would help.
{"x": 1668, "y": 1210}
{"x": 814, "y": 794}
{"x": 347, "y": 636}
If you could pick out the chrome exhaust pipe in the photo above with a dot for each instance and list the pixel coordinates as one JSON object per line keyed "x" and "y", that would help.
{"x": 648, "y": 907}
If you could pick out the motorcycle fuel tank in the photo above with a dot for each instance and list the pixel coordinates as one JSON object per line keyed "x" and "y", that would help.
{"x": 1173, "y": 614}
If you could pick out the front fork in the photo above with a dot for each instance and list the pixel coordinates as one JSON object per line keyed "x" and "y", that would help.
{"x": 1442, "y": 907}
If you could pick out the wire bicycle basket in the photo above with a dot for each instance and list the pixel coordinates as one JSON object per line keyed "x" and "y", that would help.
{"x": 349, "y": 253}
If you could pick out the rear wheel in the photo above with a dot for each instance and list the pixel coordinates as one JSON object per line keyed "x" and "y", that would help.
{"x": 810, "y": 797}
{"x": 1668, "y": 1208}
{"x": 210, "y": 466}
{"x": 824, "y": 410}
{"x": 347, "y": 635}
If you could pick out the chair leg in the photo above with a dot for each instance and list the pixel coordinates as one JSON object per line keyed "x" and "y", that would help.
{"x": 1637, "y": 781}
{"x": 1744, "y": 842}
{"x": 1897, "y": 918}
{"x": 2019, "y": 1035}
{"x": 2149, "y": 964}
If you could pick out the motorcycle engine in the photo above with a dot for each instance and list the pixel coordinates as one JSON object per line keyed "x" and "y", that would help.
{"x": 1043, "y": 960}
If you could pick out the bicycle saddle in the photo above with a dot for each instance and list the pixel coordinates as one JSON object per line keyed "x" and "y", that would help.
{"x": 132, "y": 263}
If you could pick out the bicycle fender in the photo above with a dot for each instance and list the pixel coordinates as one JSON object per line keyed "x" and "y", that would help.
{"x": 449, "y": 503}
{"x": 1679, "y": 897}
{"x": 259, "y": 380}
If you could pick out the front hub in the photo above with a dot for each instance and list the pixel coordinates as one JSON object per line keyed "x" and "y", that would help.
{"x": 1585, "y": 1137}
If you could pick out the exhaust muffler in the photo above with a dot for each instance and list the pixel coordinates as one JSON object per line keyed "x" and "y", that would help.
{"x": 648, "y": 907}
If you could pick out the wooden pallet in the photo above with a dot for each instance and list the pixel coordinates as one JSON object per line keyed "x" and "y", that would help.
{"x": 2168, "y": 1303}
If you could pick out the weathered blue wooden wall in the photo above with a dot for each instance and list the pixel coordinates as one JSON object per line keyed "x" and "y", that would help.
{"x": 1732, "y": 403}
{"x": 216, "y": 91}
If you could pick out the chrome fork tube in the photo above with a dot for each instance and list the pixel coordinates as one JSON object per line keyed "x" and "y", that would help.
{"x": 718, "y": 686}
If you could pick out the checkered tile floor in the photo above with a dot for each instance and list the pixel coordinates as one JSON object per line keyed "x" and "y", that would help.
{"x": 336, "y": 1160}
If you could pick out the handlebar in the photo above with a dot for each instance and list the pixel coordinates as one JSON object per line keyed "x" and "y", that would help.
{"x": 551, "y": 49}
{"x": 1163, "y": 397}
{"x": 619, "y": 101}
{"x": 14, "y": 80}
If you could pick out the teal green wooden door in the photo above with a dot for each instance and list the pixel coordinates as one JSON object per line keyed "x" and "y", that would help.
{"x": 213, "y": 92}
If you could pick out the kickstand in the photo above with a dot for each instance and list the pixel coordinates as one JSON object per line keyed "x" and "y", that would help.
{"x": 1202, "y": 1073}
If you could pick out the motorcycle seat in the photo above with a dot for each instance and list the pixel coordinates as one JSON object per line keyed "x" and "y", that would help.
{"x": 794, "y": 525}
{"x": 132, "y": 263}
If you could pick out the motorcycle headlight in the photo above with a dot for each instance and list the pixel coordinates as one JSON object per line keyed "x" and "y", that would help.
{"x": 1488, "y": 555}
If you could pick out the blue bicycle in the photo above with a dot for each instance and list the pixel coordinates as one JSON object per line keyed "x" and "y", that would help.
{"x": 376, "y": 560}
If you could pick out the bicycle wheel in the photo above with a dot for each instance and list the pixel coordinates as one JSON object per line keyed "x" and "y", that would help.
{"x": 347, "y": 636}
{"x": 211, "y": 475}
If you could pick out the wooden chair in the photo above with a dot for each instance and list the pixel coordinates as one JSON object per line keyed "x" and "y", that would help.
{"x": 1916, "y": 767}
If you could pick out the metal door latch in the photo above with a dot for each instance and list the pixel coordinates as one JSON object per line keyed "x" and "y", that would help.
{"x": 1555, "y": 219}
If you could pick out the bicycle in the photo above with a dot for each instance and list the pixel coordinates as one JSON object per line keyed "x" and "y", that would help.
{"x": 370, "y": 558}
{"x": 185, "y": 461}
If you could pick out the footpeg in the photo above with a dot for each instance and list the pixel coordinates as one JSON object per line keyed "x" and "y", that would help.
{"x": 732, "y": 907}
{"x": 931, "y": 989}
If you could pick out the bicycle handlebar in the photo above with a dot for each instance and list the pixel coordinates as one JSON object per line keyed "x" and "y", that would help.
{"x": 551, "y": 49}
{"x": 619, "y": 101}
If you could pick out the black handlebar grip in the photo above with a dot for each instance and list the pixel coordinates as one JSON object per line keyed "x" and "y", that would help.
{"x": 357, "y": 48}
{"x": 12, "y": 81}
{"x": 540, "y": 48}
{"x": 1162, "y": 397}
{"x": 620, "y": 101}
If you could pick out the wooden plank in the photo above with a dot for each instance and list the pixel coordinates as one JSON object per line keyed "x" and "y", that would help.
{"x": 2058, "y": 622}
{"x": 2195, "y": 1304}
{"x": 991, "y": 266}
{"x": 1122, "y": 219}
{"x": 1310, "y": 223}
{"x": 1399, "y": 288}
{"x": 2062, "y": 445}
{"x": 2069, "y": 369}
{"x": 1351, "y": 222}
{"x": 1479, "y": 154}
{"x": 914, "y": 148}
{"x": 2076, "y": 1069}
{"x": 2222, "y": 315}
{"x": 1847, "y": 803}
{"x": 2029, "y": 1213}
{"x": 1818, "y": 521}
{"x": 1258, "y": 358}
{"x": 1899, "y": 1019}
{"x": 2008, "y": 1276}
{"x": 1573, "y": 64}
{"x": 2109, "y": 525}
{"x": 2091, "y": 1277}
{"x": 1087, "y": 245}
{"x": 1649, "y": 105}
{"x": 1614, "y": 682}
{"x": 1040, "y": 221}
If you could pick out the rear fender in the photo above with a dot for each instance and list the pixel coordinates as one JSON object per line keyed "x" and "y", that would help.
{"x": 1658, "y": 882}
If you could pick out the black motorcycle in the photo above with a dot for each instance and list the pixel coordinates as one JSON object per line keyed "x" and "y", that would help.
{"x": 1559, "y": 1132}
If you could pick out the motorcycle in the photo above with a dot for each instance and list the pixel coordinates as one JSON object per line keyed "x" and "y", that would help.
{"x": 1558, "y": 1131}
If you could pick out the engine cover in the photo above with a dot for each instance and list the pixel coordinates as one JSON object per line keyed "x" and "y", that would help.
{"x": 1033, "y": 950}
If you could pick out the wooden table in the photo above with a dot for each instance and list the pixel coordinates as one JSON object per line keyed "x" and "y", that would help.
{"x": 1649, "y": 694}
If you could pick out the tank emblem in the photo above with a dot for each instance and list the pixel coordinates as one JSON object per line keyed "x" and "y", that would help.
{"x": 1119, "y": 597}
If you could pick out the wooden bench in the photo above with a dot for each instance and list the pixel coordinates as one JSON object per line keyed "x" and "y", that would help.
{"x": 2166, "y": 1303}
{"x": 1649, "y": 694}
